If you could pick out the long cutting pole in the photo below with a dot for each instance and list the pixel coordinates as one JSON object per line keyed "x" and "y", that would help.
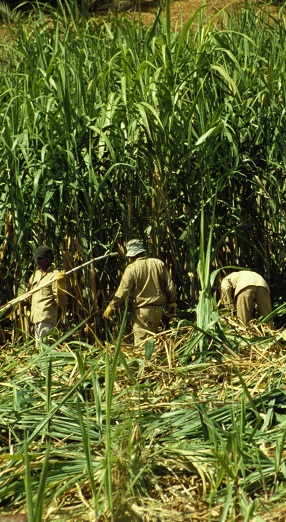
{"x": 89, "y": 262}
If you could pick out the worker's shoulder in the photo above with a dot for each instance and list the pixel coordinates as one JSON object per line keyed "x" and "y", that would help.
{"x": 250, "y": 277}
{"x": 145, "y": 263}
{"x": 155, "y": 261}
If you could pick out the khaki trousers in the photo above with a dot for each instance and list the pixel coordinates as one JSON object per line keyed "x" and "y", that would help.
{"x": 246, "y": 298}
{"x": 146, "y": 322}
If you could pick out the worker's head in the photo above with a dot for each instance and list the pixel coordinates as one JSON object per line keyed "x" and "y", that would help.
{"x": 44, "y": 256}
{"x": 134, "y": 248}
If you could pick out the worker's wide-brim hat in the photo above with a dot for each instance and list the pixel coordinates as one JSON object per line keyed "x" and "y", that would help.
{"x": 134, "y": 247}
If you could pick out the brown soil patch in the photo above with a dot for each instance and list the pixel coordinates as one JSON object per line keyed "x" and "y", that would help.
{"x": 183, "y": 10}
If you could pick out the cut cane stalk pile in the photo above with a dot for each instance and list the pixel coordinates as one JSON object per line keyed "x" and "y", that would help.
{"x": 170, "y": 437}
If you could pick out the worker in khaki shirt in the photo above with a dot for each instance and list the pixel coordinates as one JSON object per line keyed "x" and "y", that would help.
{"x": 153, "y": 291}
{"x": 45, "y": 302}
{"x": 241, "y": 290}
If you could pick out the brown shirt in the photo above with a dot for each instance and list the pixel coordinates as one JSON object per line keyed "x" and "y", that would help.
{"x": 149, "y": 281}
{"x": 45, "y": 302}
{"x": 232, "y": 284}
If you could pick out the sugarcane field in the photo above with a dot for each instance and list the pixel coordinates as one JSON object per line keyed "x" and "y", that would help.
{"x": 142, "y": 261}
